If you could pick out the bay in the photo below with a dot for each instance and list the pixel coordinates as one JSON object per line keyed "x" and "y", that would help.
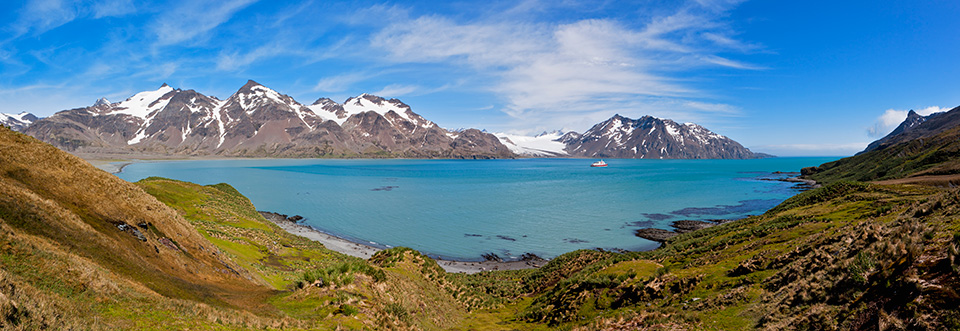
{"x": 460, "y": 209}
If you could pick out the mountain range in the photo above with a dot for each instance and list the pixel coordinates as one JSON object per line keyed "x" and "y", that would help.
{"x": 17, "y": 122}
{"x": 258, "y": 121}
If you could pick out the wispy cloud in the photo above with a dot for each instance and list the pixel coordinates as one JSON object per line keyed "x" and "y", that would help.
{"x": 193, "y": 19}
{"x": 40, "y": 16}
{"x": 567, "y": 72}
{"x": 891, "y": 118}
{"x": 397, "y": 90}
{"x": 113, "y": 8}
{"x": 340, "y": 83}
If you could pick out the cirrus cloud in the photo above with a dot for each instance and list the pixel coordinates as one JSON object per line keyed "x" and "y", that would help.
{"x": 571, "y": 71}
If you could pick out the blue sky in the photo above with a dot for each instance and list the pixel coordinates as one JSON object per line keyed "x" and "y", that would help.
{"x": 782, "y": 77}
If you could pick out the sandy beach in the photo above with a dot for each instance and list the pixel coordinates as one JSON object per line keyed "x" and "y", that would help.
{"x": 365, "y": 251}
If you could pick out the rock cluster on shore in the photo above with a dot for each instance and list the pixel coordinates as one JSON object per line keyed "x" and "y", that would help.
{"x": 684, "y": 226}
{"x": 277, "y": 217}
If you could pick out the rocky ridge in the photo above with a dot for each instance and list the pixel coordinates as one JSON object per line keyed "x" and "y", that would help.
{"x": 258, "y": 121}
{"x": 916, "y": 126}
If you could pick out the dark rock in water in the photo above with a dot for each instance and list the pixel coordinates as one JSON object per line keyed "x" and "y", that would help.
{"x": 574, "y": 241}
{"x": 658, "y": 235}
{"x": 645, "y": 224}
{"x": 492, "y": 257}
{"x": 472, "y": 235}
{"x": 505, "y": 238}
{"x": 384, "y": 188}
{"x": 744, "y": 207}
{"x": 295, "y": 218}
{"x": 656, "y": 216}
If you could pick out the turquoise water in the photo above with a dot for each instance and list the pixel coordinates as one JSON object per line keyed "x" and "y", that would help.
{"x": 463, "y": 208}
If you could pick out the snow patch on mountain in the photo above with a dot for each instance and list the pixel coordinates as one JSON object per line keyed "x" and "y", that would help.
{"x": 328, "y": 110}
{"x": 544, "y": 144}
{"x": 140, "y": 105}
{"x": 18, "y": 121}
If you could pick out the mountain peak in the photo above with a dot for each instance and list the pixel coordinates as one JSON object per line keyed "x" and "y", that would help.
{"x": 250, "y": 85}
{"x": 917, "y": 126}
{"x": 103, "y": 102}
{"x": 323, "y": 101}
{"x": 651, "y": 137}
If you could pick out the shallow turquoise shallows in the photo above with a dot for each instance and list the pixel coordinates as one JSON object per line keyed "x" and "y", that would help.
{"x": 461, "y": 209}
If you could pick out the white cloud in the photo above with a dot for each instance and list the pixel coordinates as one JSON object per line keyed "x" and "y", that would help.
{"x": 44, "y": 15}
{"x": 112, "y": 8}
{"x": 190, "y": 20}
{"x": 339, "y": 83}
{"x": 235, "y": 60}
{"x": 892, "y": 118}
{"x": 568, "y": 72}
{"x": 396, "y": 90}
{"x": 40, "y": 16}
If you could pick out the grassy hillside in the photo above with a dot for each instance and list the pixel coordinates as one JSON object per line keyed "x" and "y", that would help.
{"x": 81, "y": 249}
{"x": 934, "y": 156}
{"x": 847, "y": 256}
{"x": 104, "y": 250}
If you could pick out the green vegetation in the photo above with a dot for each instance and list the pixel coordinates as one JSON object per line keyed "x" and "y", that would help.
{"x": 81, "y": 249}
{"x": 934, "y": 156}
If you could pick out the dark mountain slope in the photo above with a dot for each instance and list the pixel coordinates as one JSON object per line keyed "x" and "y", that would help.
{"x": 931, "y": 148}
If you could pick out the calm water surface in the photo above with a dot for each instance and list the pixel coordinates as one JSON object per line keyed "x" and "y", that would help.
{"x": 463, "y": 208}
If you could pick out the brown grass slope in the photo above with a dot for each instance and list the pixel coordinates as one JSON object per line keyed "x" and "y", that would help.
{"x": 55, "y": 203}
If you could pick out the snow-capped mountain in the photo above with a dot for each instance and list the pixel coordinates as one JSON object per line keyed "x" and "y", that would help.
{"x": 653, "y": 138}
{"x": 258, "y": 121}
{"x": 17, "y": 122}
{"x": 620, "y": 137}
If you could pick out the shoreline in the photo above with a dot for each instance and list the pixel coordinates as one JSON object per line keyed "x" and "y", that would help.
{"x": 365, "y": 251}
